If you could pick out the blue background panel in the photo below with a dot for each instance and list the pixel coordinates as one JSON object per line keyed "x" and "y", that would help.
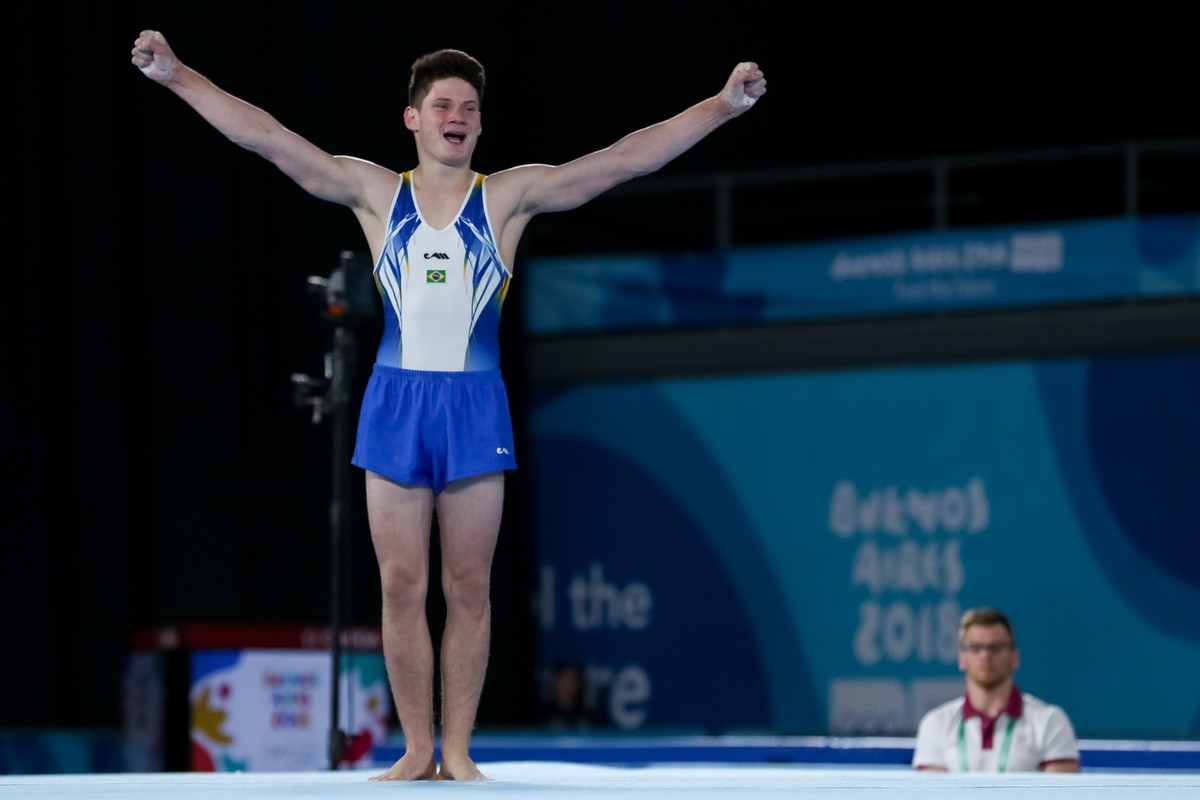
{"x": 803, "y": 544}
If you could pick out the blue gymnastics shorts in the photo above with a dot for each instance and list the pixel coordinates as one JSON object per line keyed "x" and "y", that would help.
{"x": 430, "y": 428}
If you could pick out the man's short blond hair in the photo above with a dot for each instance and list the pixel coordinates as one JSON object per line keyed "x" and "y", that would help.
{"x": 984, "y": 616}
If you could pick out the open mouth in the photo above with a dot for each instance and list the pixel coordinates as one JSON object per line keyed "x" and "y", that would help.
{"x": 456, "y": 138}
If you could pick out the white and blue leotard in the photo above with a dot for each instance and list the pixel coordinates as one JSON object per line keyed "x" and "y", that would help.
{"x": 442, "y": 288}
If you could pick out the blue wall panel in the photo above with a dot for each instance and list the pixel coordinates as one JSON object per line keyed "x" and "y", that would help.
{"x": 791, "y": 552}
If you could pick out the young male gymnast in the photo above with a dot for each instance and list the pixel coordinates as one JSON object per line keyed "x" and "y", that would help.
{"x": 435, "y": 434}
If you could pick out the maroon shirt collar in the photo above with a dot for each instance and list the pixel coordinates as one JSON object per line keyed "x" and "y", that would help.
{"x": 1012, "y": 708}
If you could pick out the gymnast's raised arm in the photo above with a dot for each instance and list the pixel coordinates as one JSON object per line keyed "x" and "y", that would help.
{"x": 522, "y": 192}
{"x": 339, "y": 179}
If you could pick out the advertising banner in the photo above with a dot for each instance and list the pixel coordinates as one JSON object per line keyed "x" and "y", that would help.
{"x": 269, "y": 710}
{"x": 792, "y": 552}
{"x": 992, "y": 267}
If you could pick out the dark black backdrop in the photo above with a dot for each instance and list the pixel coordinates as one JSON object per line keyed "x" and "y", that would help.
{"x": 156, "y": 469}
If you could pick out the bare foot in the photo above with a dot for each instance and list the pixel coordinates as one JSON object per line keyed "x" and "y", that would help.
{"x": 460, "y": 768}
{"x": 411, "y": 768}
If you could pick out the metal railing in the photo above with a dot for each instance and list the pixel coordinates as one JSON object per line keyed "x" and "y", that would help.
{"x": 940, "y": 192}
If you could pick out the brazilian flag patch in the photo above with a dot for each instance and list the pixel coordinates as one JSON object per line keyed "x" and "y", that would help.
{"x": 435, "y": 276}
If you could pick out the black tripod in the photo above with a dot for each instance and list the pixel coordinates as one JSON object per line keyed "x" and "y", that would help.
{"x": 330, "y": 396}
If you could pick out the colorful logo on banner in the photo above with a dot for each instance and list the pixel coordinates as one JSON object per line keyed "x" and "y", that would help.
{"x": 263, "y": 710}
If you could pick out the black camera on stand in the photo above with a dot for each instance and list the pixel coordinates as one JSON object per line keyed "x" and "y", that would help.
{"x": 350, "y": 301}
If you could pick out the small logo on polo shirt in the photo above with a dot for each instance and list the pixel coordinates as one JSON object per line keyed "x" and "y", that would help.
{"x": 435, "y": 276}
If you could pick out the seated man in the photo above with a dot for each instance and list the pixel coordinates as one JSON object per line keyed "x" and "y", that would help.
{"x": 995, "y": 727}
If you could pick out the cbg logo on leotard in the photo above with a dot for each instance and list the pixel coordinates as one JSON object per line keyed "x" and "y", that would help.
{"x": 435, "y": 276}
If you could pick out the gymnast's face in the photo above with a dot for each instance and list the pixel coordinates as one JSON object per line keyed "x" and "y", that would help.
{"x": 448, "y": 123}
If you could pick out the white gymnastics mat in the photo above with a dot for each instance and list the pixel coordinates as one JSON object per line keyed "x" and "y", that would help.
{"x": 582, "y": 781}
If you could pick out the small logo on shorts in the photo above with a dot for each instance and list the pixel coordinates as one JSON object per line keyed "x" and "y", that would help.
{"x": 502, "y": 451}
{"x": 435, "y": 276}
